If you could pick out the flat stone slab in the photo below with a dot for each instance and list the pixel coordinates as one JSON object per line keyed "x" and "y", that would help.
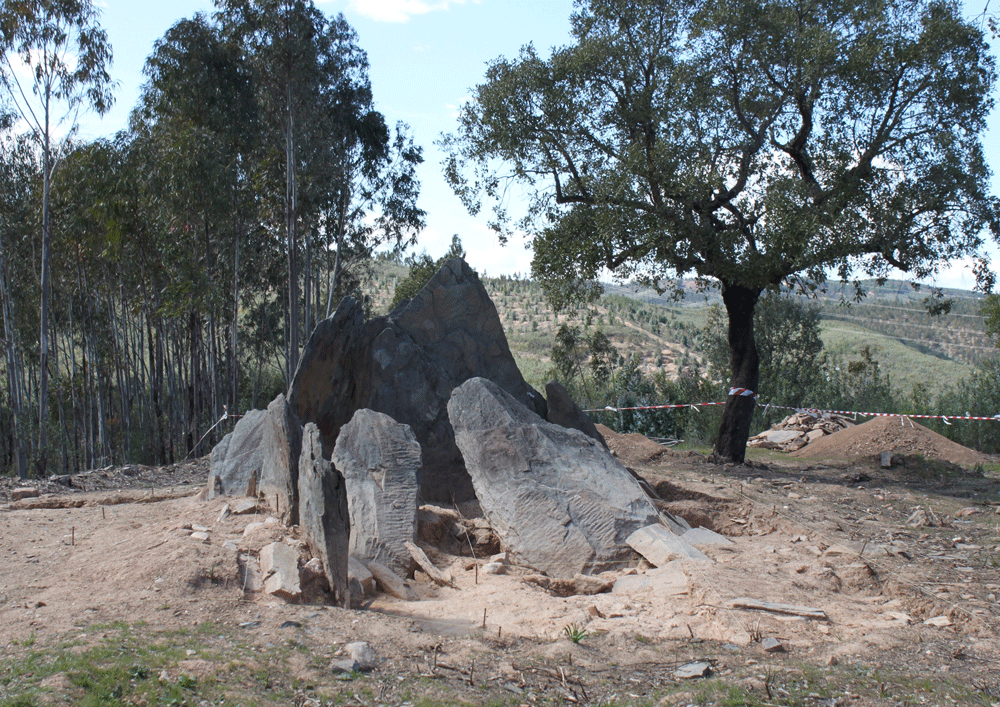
{"x": 782, "y": 436}
{"x": 668, "y": 581}
{"x": 658, "y": 545}
{"x": 697, "y": 669}
{"x": 704, "y": 536}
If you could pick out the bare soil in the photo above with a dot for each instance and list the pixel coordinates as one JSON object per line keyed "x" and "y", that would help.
{"x": 912, "y": 612}
{"x": 899, "y": 435}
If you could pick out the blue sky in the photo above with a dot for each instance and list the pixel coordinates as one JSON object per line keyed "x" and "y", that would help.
{"x": 425, "y": 55}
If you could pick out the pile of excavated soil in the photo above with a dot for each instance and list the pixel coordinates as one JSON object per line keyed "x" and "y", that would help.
{"x": 899, "y": 435}
{"x": 633, "y": 448}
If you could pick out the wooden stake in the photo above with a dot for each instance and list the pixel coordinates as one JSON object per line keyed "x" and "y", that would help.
{"x": 484, "y": 618}
{"x": 72, "y": 537}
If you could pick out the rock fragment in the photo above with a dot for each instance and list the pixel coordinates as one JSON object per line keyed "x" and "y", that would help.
{"x": 279, "y": 565}
{"x": 657, "y": 544}
{"x": 23, "y": 492}
{"x": 390, "y": 582}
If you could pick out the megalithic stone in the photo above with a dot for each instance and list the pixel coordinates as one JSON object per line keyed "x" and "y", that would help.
{"x": 323, "y": 513}
{"x": 558, "y": 500}
{"x": 379, "y": 459}
{"x": 281, "y": 443}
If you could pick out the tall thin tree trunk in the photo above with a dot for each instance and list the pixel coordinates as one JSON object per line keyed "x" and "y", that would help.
{"x": 234, "y": 351}
{"x": 46, "y": 286}
{"x": 291, "y": 228}
{"x": 13, "y": 367}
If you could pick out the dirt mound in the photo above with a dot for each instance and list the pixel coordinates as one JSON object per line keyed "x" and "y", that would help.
{"x": 899, "y": 435}
{"x": 632, "y": 448}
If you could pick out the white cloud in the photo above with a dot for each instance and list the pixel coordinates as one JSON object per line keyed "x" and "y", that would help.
{"x": 957, "y": 274}
{"x": 399, "y": 10}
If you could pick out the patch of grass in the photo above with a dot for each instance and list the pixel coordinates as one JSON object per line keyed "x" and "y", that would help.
{"x": 122, "y": 665}
{"x": 575, "y": 632}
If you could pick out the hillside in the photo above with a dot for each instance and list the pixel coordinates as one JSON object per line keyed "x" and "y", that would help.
{"x": 912, "y": 346}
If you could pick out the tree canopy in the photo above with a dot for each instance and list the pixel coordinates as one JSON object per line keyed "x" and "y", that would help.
{"x": 187, "y": 256}
{"x": 753, "y": 143}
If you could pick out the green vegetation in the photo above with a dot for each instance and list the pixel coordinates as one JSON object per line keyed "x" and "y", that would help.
{"x": 574, "y": 632}
{"x": 665, "y": 350}
{"x": 739, "y": 141}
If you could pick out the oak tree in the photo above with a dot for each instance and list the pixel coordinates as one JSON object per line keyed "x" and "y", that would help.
{"x": 751, "y": 143}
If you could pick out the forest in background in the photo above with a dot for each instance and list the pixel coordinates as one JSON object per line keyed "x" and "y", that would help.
{"x": 154, "y": 281}
{"x": 157, "y": 284}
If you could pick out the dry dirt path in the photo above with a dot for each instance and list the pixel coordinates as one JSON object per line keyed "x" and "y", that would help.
{"x": 912, "y": 612}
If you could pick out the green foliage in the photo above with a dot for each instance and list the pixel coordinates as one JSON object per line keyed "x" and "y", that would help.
{"x": 574, "y": 632}
{"x": 747, "y": 142}
{"x": 796, "y": 110}
{"x": 855, "y": 384}
{"x": 990, "y": 309}
{"x": 788, "y": 341}
{"x": 979, "y": 396}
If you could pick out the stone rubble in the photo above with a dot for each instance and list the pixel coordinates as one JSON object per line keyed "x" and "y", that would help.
{"x": 796, "y": 431}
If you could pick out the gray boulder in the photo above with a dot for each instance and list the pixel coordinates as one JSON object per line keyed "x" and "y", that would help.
{"x": 237, "y": 459}
{"x": 379, "y": 459}
{"x": 281, "y": 446}
{"x": 324, "y": 518}
{"x": 564, "y": 411}
{"x": 558, "y": 500}
{"x": 406, "y": 365}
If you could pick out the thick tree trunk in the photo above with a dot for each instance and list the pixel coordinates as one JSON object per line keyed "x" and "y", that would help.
{"x": 744, "y": 363}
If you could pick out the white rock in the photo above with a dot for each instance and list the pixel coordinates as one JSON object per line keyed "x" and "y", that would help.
{"x": 280, "y": 565}
{"x": 658, "y": 545}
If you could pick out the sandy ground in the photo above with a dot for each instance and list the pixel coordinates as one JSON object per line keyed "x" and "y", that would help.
{"x": 823, "y": 535}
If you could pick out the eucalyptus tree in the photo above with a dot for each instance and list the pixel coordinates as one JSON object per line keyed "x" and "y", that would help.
{"x": 349, "y": 181}
{"x": 55, "y": 63}
{"x": 18, "y": 169}
{"x": 194, "y": 131}
{"x": 751, "y": 142}
{"x": 368, "y": 178}
{"x": 284, "y": 43}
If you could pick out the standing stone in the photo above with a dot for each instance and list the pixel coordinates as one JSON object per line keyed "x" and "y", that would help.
{"x": 558, "y": 500}
{"x": 237, "y": 459}
{"x": 406, "y": 365}
{"x": 281, "y": 444}
{"x": 379, "y": 459}
{"x": 324, "y": 518}
{"x": 563, "y": 411}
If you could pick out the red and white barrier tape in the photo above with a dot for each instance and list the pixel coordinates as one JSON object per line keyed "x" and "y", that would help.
{"x": 817, "y": 411}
